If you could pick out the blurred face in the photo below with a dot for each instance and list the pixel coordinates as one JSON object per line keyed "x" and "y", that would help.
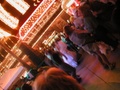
{"x": 79, "y": 13}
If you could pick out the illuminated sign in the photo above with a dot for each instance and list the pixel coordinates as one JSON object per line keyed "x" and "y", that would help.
{"x": 35, "y": 16}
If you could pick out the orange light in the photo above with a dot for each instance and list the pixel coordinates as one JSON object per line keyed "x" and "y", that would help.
{"x": 7, "y": 18}
{"x": 3, "y": 33}
{"x": 20, "y": 5}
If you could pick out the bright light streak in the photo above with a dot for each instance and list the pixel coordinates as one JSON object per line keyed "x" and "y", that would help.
{"x": 66, "y": 4}
{"x": 70, "y": 3}
{"x": 20, "y": 5}
{"x": 7, "y": 18}
{"x": 3, "y": 33}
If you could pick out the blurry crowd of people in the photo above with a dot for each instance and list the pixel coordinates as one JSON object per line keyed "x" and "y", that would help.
{"x": 93, "y": 25}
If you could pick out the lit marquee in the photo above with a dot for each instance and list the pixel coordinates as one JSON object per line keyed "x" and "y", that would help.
{"x": 7, "y": 18}
{"x": 20, "y": 5}
{"x": 35, "y": 16}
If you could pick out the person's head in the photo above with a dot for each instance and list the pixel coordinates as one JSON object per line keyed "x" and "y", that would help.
{"x": 55, "y": 79}
{"x": 97, "y": 7}
{"x": 84, "y": 11}
{"x": 67, "y": 30}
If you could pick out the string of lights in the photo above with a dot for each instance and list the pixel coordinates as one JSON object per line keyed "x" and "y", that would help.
{"x": 20, "y": 5}
{"x": 8, "y": 19}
